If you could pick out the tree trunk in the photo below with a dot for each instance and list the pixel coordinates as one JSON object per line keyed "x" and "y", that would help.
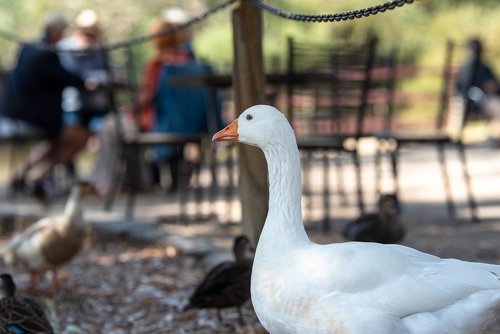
{"x": 248, "y": 79}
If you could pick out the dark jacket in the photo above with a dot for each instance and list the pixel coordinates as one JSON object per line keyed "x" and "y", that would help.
{"x": 35, "y": 86}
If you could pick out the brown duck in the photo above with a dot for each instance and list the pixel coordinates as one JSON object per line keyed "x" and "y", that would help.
{"x": 227, "y": 284}
{"x": 50, "y": 242}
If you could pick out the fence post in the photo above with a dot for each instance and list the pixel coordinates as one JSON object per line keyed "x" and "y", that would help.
{"x": 248, "y": 79}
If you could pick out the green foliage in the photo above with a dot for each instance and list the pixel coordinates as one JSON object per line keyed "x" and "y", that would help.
{"x": 419, "y": 30}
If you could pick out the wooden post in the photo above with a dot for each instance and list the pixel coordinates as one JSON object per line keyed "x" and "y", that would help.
{"x": 248, "y": 79}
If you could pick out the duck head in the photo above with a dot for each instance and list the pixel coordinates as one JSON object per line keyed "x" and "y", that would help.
{"x": 7, "y": 286}
{"x": 242, "y": 248}
{"x": 389, "y": 205}
{"x": 258, "y": 126}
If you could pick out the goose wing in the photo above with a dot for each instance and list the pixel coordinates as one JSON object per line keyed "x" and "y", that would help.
{"x": 394, "y": 278}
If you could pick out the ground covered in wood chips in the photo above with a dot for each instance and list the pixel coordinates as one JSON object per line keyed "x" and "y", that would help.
{"x": 119, "y": 287}
{"x": 116, "y": 285}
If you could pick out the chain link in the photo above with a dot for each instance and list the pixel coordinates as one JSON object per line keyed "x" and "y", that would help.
{"x": 129, "y": 42}
{"x": 188, "y": 24}
{"x": 350, "y": 15}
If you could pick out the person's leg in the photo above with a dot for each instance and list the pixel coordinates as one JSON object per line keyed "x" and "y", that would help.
{"x": 72, "y": 141}
{"x": 42, "y": 152}
{"x": 65, "y": 148}
{"x": 39, "y": 153}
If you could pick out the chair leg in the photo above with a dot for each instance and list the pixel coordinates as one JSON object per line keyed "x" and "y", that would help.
{"x": 446, "y": 182}
{"x": 468, "y": 184}
{"x": 134, "y": 176}
{"x": 308, "y": 176}
{"x": 340, "y": 180}
{"x": 359, "y": 186}
{"x": 378, "y": 169}
{"x": 214, "y": 185}
{"x": 116, "y": 178}
{"x": 326, "y": 193}
{"x": 198, "y": 189}
{"x": 394, "y": 155}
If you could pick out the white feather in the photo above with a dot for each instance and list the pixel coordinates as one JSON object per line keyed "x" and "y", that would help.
{"x": 302, "y": 287}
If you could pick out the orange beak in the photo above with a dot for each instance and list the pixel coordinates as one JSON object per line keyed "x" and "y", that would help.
{"x": 229, "y": 133}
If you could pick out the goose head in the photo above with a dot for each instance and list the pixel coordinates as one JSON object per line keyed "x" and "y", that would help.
{"x": 267, "y": 128}
{"x": 261, "y": 125}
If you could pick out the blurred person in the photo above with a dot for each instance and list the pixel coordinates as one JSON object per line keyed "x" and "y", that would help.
{"x": 81, "y": 54}
{"x": 170, "y": 49}
{"x": 141, "y": 120}
{"x": 482, "y": 86}
{"x": 34, "y": 96}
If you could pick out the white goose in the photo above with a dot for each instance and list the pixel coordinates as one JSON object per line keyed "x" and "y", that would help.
{"x": 301, "y": 287}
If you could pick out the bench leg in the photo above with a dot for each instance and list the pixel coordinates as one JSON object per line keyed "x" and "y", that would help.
{"x": 468, "y": 184}
{"x": 446, "y": 182}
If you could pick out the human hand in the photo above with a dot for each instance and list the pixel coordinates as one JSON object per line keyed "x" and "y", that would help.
{"x": 91, "y": 84}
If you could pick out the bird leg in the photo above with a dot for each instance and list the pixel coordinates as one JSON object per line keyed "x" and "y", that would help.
{"x": 218, "y": 315}
{"x": 55, "y": 280}
{"x": 33, "y": 279}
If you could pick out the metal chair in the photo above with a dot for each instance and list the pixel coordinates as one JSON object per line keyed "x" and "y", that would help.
{"x": 133, "y": 145}
{"x": 446, "y": 130}
{"x": 330, "y": 92}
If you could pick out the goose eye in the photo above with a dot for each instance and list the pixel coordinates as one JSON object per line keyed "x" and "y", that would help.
{"x": 249, "y": 117}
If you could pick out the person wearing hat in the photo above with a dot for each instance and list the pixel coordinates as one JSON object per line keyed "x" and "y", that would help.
{"x": 35, "y": 88}
{"x": 81, "y": 55}
{"x": 477, "y": 82}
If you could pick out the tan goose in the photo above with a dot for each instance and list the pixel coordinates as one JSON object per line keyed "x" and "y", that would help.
{"x": 352, "y": 287}
{"x": 50, "y": 242}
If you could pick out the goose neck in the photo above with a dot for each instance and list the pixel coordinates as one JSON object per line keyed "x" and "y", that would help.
{"x": 285, "y": 214}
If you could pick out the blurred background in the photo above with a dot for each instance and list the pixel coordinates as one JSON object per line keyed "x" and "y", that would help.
{"x": 156, "y": 257}
{"x": 419, "y": 30}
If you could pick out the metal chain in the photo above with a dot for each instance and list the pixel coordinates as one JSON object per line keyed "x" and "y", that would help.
{"x": 125, "y": 43}
{"x": 350, "y": 15}
{"x": 142, "y": 39}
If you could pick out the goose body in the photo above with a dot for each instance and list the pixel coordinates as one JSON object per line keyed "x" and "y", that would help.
{"x": 50, "y": 242}
{"x": 298, "y": 286}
